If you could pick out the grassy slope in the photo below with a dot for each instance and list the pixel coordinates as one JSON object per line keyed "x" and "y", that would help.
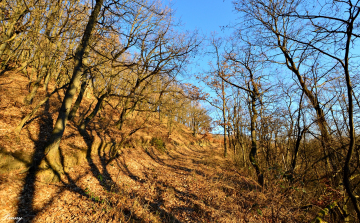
{"x": 188, "y": 183}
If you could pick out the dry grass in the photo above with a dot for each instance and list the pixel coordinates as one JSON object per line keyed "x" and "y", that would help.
{"x": 190, "y": 182}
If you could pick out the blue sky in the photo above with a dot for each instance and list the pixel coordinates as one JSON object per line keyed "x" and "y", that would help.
{"x": 206, "y": 16}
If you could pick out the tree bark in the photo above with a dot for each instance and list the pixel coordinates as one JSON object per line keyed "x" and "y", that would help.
{"x": 349, "y": 87}
{"x": 299, "y": 136}
{"x": 224, "y": 115}
{"x": 26, "y": 118}
{"x": 321, "y": 121}
{"x": 93, "y": 113}
{"x": 52, "y": 155}
{"x": 10, "y": 33}
{"x": 253, "y": 151}
{"x": 78, "y": 100}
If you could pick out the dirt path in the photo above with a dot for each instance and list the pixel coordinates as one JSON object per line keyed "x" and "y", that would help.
{"x": 189, "y": 184}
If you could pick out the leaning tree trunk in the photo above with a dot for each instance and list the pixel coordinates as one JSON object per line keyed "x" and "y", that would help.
{"x": 78, "y": 100}
{"x": 52, "y": 161}
{"x": 35, "y": 85}
{"x": 299, "y": 136}
{"x": 9, "y": 35}
{"x": 321, "y": 121}
{"x": 93, "y": 113}
{"x": 33, "y": 112}
{"x": 346, "y": 169}
{"x": 253, "y": 151}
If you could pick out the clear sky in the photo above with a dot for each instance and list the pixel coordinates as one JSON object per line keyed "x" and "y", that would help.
{"x": 207, "y": 16}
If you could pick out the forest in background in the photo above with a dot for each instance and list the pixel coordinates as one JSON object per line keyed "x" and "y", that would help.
{"x": 284, "y": 86}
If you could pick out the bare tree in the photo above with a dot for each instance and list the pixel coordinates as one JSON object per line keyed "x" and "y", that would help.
{"x": 340, "y": 30}
{"x": 52, "y": 155}
{"x": 218, "y": 86}
{"x": 247, "y": 68}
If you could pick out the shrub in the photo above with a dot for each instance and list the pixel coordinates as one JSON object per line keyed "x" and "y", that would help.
{"x": 158, "y": 143}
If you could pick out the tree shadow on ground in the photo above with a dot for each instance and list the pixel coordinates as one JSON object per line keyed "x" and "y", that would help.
{"x": 155, "y": 206}
{"x": 157, "y": 159}
{"x": 26, "y": 209}
{"x": 25, "y": 206}
{"x": 103, "y": 176}
{"x": 109, "y": 185}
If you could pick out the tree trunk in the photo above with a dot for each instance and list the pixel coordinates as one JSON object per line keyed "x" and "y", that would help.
{"x": 44, "y": 69}
{"x": 26, "y": 118}
{"x": 321, "y": 121}
{"x": 78, "y": 100}
{"x": 52, "y": 156}
{"x": 35, "y": 86}
{"x": 93, "y": 113}
{"x": 10, "y": 33}
{"x": 346, "y": 169}
{"x": 224, "y": 115}
{"x": 299, "y": 136}
{"x": 252, "y": 155}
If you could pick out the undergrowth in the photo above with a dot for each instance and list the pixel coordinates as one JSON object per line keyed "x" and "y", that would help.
{"x": 159, "y": 144}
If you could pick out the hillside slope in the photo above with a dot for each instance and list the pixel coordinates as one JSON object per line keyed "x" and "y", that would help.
{"x": 187, "y": 181}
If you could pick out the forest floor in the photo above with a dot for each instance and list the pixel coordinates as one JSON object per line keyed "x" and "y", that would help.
{"x": 190, "y": 181}
{"x": 189, "y": 184}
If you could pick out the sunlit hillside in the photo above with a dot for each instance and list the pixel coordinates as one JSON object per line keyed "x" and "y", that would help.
{"x": 120, "y": 111}
{"x": 157, "y": 177}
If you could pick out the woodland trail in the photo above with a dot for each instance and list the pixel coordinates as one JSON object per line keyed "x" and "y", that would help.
{"x": 187, "y": 184}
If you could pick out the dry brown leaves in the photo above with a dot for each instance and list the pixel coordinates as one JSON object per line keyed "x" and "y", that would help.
{"x": 188, "y": 184}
